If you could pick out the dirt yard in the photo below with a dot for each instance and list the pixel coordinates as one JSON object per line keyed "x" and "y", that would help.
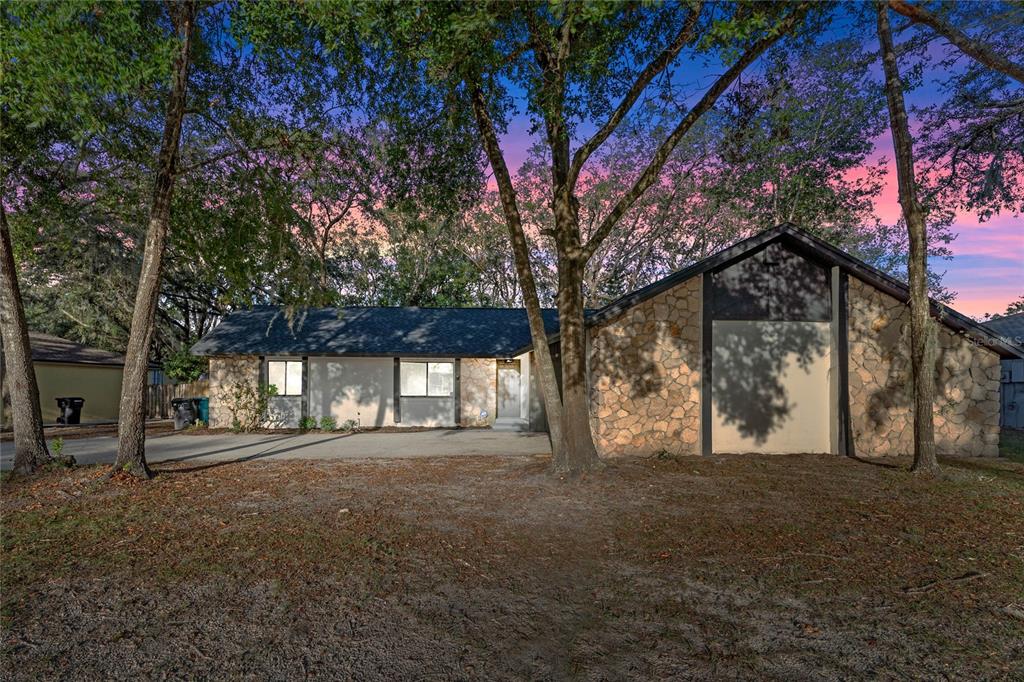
{"x": 732, "y": 567}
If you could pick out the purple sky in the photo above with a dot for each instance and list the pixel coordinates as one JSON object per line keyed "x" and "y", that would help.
{"x": 987, "y": 269}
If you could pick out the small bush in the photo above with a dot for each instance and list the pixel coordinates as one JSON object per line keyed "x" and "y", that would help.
{"x": 349, "y": 425}
{"x": 328, "y": 423}
{"x": 247, "y": 403}
{"x": 58, "y": 459}
{"x": 307, "y": 423}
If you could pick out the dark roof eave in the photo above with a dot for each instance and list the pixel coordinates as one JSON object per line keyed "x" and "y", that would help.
{"x": 354, "y": 354}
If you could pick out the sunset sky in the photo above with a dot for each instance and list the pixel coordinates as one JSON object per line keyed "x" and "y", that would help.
{"x": 987, "y": 269}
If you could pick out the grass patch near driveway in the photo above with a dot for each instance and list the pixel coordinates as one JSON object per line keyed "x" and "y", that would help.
{"x": 1011, "y": 444}
{"x": 475, "y": 567}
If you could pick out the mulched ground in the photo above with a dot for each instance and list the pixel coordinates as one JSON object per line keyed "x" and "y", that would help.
{"x": 751, "y": 567}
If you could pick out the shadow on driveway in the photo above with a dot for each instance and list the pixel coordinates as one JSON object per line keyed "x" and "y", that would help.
{"x": 270, "y": 452}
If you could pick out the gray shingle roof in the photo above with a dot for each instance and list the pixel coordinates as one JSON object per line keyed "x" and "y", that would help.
{"x": 47, "y": 348}
{"x": 443, "y": 332}
{"x": 1010, "y": 327}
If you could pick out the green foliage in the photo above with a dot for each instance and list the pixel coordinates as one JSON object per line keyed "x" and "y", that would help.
{"x": 65, "y": 63}
{"x": 181, "y": 365}
{"x": 328, "y": 423}
{"x": 972, "y": 136}
{"x": 57, "y": 447}
{"x": 307, "y": 424}
{"x": 248, "y": 402}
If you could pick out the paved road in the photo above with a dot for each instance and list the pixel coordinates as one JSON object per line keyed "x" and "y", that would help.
{"x": 244, "y": 447}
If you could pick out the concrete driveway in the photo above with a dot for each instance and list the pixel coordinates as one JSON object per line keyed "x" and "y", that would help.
{"x": 246, "y": 447}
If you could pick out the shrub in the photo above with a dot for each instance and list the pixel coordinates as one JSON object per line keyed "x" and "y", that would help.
{"x": 349, "y": 425}
{"x": 181, "y": 365}
{"x": 247, "y": 402}
{"x": 57, "y": 457}
{"x": 307, "y": 423}
{"x": 328, "y": 423}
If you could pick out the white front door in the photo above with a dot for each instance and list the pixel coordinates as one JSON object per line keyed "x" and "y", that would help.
{"x": 508, "y": 391}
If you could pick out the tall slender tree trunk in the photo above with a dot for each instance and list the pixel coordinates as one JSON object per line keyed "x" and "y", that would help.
{"x": 29, "y": 445}
{"x": 922, "y": 340}
{"x": 527, "y": 284}
{"x": 578, "y": 453}
{"x": 131, "y": 453}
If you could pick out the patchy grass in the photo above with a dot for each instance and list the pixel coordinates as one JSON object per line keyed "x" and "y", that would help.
{"x": 738, "y": 566}
{"x": 1011, "y": 444}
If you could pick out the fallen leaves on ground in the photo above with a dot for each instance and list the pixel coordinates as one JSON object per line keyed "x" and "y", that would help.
{"x": 727, "y": 566}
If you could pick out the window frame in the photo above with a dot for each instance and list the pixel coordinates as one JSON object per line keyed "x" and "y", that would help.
{"x": 287, "y": 388}
{"x": 426, "y": 387}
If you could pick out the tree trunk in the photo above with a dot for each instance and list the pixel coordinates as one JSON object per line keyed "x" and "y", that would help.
{"x": 29, "y": 445}
{"x": 922, "y": 338}
{"x": 521, "y": 255}
{"x": 131, "y": 453}
{"x": 578, "y": 453}
{"x": 975, "y": 49}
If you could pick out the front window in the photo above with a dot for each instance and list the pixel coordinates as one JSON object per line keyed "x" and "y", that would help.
{"x": 428, "y": 379}
{"x": 286, "y": 376}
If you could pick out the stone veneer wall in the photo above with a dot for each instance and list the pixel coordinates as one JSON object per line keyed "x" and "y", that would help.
{"x": 967, "y": 390}
{"x": 224, "y": 373}
{"x": 478, "y": 390}
{"x": 645, "y": 376}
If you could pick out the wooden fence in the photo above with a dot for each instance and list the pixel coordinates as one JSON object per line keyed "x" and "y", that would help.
{"x": 158, "y": 398}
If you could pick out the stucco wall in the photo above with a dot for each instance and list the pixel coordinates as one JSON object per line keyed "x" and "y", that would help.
{"x": 99, "y": 385}
{"x": 967, "y": 387}
{"x": 645, "y": 376}
{"x": 770, "y": 386}
{"x": 357, "y": 389}
{"x": 224, "y": 373}
{"x": 478, "y": 390}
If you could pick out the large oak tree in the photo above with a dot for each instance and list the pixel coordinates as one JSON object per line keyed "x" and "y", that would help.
{"x": 582, "y": 69}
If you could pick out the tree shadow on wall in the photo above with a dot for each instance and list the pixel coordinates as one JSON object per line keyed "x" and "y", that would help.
{"x": 897, "y": 391}
{"x": 772, "y": 313}
{"x": 749, "y": 360}
{"x": 635, "y": 358}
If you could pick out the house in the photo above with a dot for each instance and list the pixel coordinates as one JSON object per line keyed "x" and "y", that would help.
{"x": 67, "y": 369}
{"x": 1011, "y": 328}
{"x": 781, "y": 343}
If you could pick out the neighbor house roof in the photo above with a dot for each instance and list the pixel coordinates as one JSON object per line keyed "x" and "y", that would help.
{"x": 47, "y": 348}
{"x": 1010, "y": 327}
{"x": 425, "y": 332}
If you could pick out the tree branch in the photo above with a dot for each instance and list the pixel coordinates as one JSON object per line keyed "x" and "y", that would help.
{"x": 650, "y": 173}
{"x": 655, "y": 67}
{"x": 972, "y": 48}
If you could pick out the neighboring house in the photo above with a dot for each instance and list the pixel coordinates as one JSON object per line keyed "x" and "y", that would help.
{"x": 781, "y": 343}
{"x": 1011, "y": 328}
{"x": 68, "y": 369}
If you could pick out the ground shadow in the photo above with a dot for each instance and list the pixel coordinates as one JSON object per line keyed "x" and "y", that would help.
{"x": 239, "y": 460}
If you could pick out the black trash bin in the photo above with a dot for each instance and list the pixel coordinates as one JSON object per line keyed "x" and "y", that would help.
{"x": 70, "y": 410}
{"x": 185, "y": 411}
